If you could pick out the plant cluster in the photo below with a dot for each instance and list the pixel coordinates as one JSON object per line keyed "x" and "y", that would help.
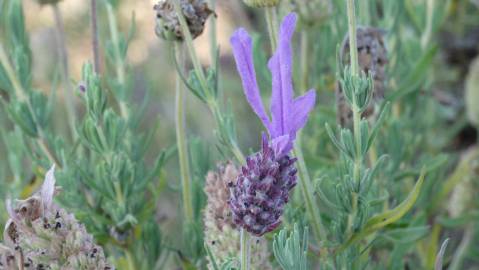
{"x": 373, "y": 167}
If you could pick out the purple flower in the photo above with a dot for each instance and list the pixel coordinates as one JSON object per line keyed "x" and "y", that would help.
{"x": 288, "y": 114}
{"x": 262, "y": 189}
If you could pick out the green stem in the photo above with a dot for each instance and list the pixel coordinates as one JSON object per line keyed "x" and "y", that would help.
{"x": 130, "y": 260}
{"x": 188, "y": 39}
{"x": 215, "y": 109}
{"x": 304, "y": 58}
{"x": 306, "y": 189}
{"x": 213, "y": 34}
{"x": 94, "y": 33}
{"x": 119, "y": 63}
{"x": 63, "y": 55}
{"x": 270, "y": 21}
{"x": 353, "y": 48}
{"x": 356, "y": 112}
{"x": 182, "y": 143}
{"x": 245, "y": 250}
{"x": 429, "y": 23}
{"x": 211, "y": 100}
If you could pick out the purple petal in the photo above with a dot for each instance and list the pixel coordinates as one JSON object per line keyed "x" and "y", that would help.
{"x": 302, "y": 106}
{"x": 281, "y": 68}
{"x": 281, "y": 145}
{"x": 48, "y": 188}
{"x": 243, "y": 54}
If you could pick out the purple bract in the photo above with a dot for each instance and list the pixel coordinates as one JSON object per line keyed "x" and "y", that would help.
{"x": 288, "y": 114}
{"x": 261, "y": 191}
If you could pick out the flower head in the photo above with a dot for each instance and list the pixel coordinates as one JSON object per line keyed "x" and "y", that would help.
{"x": 221, "y": 233}
{"x": 196, "y": 12}
{"x": 40, "y": 234}
{"x": 262, "y": 190}
{"x": 288, "y": 114}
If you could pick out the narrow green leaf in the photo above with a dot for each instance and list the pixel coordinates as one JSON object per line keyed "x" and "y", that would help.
{"x": 381, "y": 220}
{"x": 440, "y": 255}
{"x": 212, "y": 258}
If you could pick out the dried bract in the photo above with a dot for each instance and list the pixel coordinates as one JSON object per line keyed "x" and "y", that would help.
{"x": 41, "y": 235}
{"x": 221, "y": 233}
{"x": 196, "y": 12}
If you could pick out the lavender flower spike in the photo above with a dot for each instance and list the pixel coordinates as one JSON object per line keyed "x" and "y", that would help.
{"x": 288, "y": 115}
{"x": 262, "y": 188}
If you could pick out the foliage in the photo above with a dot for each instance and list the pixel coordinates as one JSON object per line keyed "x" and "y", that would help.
{"x": 380, "y": 192}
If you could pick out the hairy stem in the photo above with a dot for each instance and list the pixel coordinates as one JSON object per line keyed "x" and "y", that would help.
{"x": 119, "y": 62}
{"x": 307, "y": 191}
{"x": 213, "y": 34}
{"x": 353, "y": 48}
{"x": 94, "y": 33}
{"x": 426, "y": 37}
{"x": 304, "y": 58}
{"x": 182, "y": 142}
{"x": 63, "y": 55}
{"x": 245, "y": 250}
{"x": 356, "y": 113}
{"x": 212, "y": 101}
{"x": 188, "y": 39}
{"x": 270, "y": 21}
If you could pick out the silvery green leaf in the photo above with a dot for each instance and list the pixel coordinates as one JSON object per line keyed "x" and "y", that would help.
{"x": 291, "y": 250}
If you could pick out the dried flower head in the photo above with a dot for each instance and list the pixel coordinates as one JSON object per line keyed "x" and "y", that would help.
{"x": 261, "y": 3}
{"x": 41, "y": 235}
{"x": 262, "y": 189}
{"x": 216, "y": 188}
{"x": 462, "y": 196}
{"x": 196, "y": 12}
{"x": 372, "y": 58}
{"x": 221, "y": 234}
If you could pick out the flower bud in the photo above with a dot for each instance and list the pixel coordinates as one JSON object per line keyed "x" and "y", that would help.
{"x": 168, "y": 27}
{"x": 372, "y": 59}
{"x": 221, "y": 233}
{"x": 261, "y": 3}
{"x": 472, "y": 93}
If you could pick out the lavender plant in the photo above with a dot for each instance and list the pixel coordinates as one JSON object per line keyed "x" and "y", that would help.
{"x": 159, "y": 165}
